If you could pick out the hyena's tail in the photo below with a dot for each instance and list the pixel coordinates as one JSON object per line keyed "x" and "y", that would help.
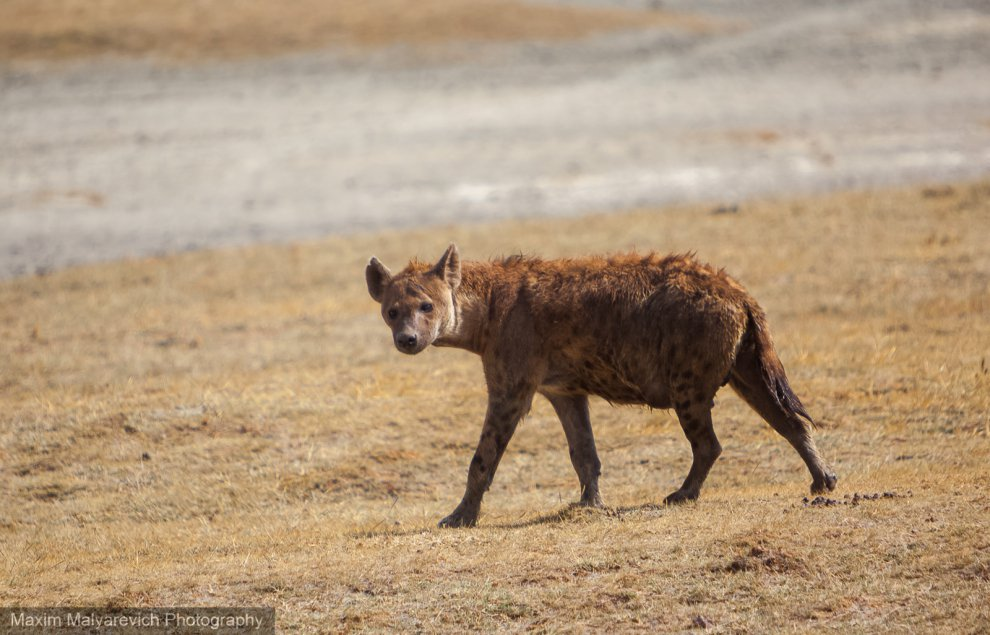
{"x": 758, "y": 377}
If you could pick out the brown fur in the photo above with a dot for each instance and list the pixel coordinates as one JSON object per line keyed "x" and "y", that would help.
{"x": 666, "y": 332}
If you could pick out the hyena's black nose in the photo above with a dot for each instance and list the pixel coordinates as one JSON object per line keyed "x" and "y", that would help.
{"x": 406, "y": 340}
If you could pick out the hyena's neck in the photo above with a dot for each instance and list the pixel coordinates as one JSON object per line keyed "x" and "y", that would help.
{"x": 471, "y": 303}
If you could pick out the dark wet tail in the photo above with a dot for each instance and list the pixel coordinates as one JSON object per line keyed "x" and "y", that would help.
{"x": 758, "y": 377}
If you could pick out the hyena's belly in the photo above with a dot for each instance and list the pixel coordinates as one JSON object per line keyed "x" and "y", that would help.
{"x": 616, "y": 379}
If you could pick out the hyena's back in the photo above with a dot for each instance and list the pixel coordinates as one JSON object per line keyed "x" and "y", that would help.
{"x": 632, "y": 329}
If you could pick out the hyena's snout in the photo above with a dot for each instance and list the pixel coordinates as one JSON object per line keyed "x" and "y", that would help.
{"x": 413, "y": 334}
{"x": 410, "y": 341}
{"x": 407, "y": 342}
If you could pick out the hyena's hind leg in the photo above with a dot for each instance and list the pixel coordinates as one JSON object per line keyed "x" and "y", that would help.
{"x": 574, "y": 416}
{"x": 695, "y": 417}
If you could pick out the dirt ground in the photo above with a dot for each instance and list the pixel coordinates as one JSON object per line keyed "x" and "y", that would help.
{"x": 178, "y": 135}
{"x": 234, "y": 427}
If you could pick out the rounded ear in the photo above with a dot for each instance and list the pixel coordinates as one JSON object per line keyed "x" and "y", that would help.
{"x": 378, "y": 276}
{"x": 448, "y": 268}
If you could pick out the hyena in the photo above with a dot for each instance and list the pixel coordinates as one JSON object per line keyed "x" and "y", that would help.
{"x": 666, "y": 332}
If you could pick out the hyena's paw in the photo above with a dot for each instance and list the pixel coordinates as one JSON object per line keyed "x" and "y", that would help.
{"x": 459, "y": 518}
{"x": 826, "y": 484}
{"x": 591, "y": 500}
{"x": 680, "y": 496}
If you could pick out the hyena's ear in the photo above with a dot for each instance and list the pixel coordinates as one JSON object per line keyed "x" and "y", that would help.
{"x": 449, "y": 266}
{"x": 377, "y": 275}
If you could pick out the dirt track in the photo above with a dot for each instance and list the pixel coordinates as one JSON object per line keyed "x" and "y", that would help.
{"x": 109, "y": 159}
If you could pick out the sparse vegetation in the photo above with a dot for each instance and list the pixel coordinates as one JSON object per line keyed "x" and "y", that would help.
{"x": 234, "y": 427}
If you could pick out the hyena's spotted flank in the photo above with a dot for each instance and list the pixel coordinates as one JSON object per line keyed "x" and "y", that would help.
{"x": 667, "y": 332}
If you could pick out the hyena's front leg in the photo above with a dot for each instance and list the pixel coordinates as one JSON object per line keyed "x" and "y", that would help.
{"x": 574, "y": 416}
{"x": 504, "y": 413}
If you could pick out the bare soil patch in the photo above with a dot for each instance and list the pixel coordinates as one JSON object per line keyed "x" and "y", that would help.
{"x": 123, "y": 157}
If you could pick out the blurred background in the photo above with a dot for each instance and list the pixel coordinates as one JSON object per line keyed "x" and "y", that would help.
{"x": 138, "y": 127}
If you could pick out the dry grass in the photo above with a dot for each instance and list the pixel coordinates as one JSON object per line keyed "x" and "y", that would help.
{"x": 234, "y": 427}
{"x": 180, "y": 29}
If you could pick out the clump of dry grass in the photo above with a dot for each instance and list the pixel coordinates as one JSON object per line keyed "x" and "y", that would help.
{"x": 234, "y": 427}
{"x": 179, "y": 29}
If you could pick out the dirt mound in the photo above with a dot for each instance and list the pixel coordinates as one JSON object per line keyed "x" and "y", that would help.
{"x": 849, "y": 499}
{"x": 764, "y": 558}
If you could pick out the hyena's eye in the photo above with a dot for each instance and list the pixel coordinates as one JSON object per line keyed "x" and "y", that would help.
{"x": 393, "y": 313}
{"x": 426, "y": 307}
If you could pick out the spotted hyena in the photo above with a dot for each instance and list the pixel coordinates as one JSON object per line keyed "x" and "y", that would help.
{"x": 666, "y": 332}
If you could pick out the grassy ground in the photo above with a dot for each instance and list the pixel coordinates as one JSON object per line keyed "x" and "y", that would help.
{"x": 234, "y": 428}
{"x": 180, "y": 29}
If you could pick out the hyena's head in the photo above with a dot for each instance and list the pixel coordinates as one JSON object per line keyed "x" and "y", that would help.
{"x": 418, "y": 303}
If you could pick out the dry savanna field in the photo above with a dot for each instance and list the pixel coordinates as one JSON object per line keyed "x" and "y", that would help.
{"x": 234, "y": 427}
